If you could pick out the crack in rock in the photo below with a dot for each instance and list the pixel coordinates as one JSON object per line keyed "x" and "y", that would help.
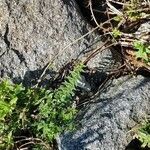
{"x": 20, "y": 56}
{"x": 3, "y": 54}
{"x": 6, "y": 36}
{"x": 8, "y": 5}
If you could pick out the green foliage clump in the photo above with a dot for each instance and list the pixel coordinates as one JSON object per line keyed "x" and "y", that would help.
{"x": 8, "y": 124}
{"x": 144, "y": 134}
{"x": 134, "y": 10}
{"x": 130, "y": 12}
{"x": 56, "y": 112}
{"x": 116, "y": 33}
{"x": 44, "y": 113}
{"x": 142, "y": 52}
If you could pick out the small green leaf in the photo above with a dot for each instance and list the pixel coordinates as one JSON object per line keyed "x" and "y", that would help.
{"x": 142, "y": 51}
{"x": 116, "y": 33}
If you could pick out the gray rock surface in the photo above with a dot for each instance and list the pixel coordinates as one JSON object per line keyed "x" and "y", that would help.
{"x": 106, "y": 121}
{"x": 32, "y": 32}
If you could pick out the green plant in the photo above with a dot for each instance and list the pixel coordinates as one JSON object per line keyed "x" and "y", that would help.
{"x": 131, "y": 10}
{"x": 56, "y": 112}
{"x": 116, "y": 33}
{"x": 143, "y": 51}
{"x": 143, "y": 134}
{"x": 50, "y": 111}
{"x": 8, "y": 100}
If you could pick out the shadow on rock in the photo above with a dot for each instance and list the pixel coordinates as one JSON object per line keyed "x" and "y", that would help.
{"x": 31, "y": 78}
{"x": 105, "y": 122}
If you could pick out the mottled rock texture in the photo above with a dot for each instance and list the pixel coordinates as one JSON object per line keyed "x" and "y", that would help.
{"x": 106, "y": 121}
{"x": 33, "y": 32}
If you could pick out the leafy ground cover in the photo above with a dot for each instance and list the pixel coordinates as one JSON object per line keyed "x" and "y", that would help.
{"x": 41, "y": 114}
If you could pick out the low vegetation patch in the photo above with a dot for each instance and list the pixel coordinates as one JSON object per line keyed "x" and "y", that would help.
{"x": 143, "y": 134}
{"x": 33, "y": 117}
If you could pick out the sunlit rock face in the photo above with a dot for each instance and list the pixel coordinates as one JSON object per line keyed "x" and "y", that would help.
{"x": 32, "y": 33}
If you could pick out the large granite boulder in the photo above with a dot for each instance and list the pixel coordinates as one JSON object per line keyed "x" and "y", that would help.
{"x": 106, "y": 121}
{"x": 33, "y": 32}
